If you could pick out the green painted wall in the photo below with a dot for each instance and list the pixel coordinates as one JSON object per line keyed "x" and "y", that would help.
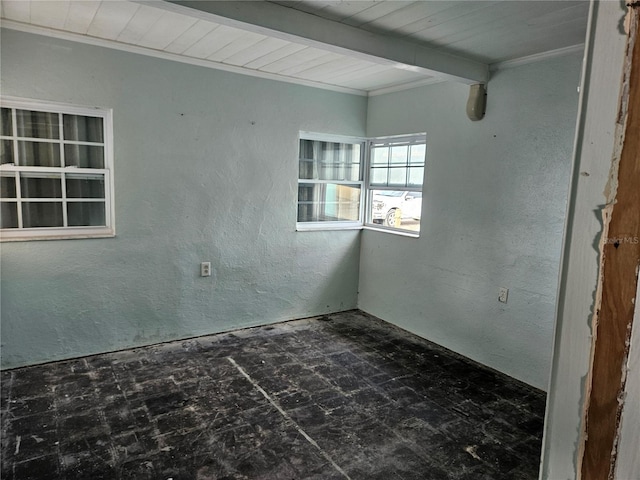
{"x": 205, "y": 170}
{"x": 494, "y": 204}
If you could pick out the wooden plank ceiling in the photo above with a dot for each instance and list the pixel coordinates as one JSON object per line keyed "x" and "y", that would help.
{"x": 482, "y": 31}
{"x": 488, "y": 31}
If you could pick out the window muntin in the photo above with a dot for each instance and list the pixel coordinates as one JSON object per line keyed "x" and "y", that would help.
{"x": 55, "y": 171}
{"x": 397, "y": 163}
{"x": 330, "y": 182}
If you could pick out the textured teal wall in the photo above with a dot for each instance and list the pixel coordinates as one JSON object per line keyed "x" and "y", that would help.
{"x": 205, "y": 170}
{"x": 494, "y": 203}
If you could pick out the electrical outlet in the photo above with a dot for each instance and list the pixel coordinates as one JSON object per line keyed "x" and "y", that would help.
{"x": 503, "y": 294}
{"x": 205, "y": 269}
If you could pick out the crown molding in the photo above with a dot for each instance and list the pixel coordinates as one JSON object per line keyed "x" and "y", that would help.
{"x": 538, "y": 57}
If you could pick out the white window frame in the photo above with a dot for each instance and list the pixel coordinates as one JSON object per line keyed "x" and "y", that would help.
{"x": 409, "y": 139}
{"x": 344, "y": 224}
{"x": 65, "y": 232}
{"x": 365, "y": 221}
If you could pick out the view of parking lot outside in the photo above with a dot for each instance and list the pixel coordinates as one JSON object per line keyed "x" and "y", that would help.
{"x": 400, "y": 209}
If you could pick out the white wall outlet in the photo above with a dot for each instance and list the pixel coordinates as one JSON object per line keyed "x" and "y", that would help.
{"x": 503, "y": 294}
{"x": 205, "y": 269}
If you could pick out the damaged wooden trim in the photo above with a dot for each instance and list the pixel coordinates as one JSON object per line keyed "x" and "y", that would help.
{"x": 618, "y": 280}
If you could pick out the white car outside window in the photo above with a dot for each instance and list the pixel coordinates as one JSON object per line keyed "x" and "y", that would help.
{"x": 387, "y": 204}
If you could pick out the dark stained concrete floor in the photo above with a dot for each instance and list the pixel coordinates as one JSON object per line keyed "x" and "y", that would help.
{"x": 344, "y": 396}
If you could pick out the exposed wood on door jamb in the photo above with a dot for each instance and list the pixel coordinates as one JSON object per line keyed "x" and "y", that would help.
{"x": 620, "y": 260}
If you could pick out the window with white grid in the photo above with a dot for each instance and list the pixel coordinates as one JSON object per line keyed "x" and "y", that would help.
{"x": 56, "y": 171}
{"x": 330, "y": 186}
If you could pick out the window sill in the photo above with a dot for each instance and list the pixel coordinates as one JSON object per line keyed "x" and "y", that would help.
{"x": 324, "y": 226}
{"x": 393, "y": 231}
{"x": 28, "y": 236}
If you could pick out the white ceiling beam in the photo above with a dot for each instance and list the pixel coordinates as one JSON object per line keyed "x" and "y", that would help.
{"x": 296, "y": 26}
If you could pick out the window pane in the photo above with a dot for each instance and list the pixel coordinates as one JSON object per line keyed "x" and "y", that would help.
{"x": 379, "y": 176}
{"x": 8, "y": 186}
{"x": 83, "y": 129}
{"x": 398, "y": 176}
{"x": 32, "y": 186}
{"x": 87, "y": 214}
{"x": 328, "y": 202}
{"x": 417, "y": 154}
{"x": 416, "y": 175}
{"x": 37, "y": 124}
{"x": 42, "y": 214}
{"x": 396, "y": 208}
{"x": 5, "y": 122}
{"x": 405, "y": 167}
{"x": 329, "y": 161}
{"x": 6, "y": 151}
{"x": 306, "y": 163}
{"x": 380, "y": 156}
{"x": 84, "y": 156}
{"x": 8, "y": 215}
{"x": 38, "y": 154}
{"x": 399, "y": 155}
{"x": 85, "y": 186}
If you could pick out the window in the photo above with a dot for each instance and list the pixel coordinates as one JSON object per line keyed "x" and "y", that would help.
{"x": 55, "y": 171}
{"x": 396, "y": 172}
{"x": 330, "y": 182}
{"x": 332, "y": 192}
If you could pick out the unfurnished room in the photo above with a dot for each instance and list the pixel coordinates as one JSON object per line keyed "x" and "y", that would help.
{"x": 287, "y": 240}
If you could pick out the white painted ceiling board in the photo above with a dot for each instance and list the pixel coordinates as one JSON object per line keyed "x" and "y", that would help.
{"x": 80, "y": 16}
{"x": 375, "y": 11}
{"x": 111, "y": 19}
{"x": 341, "y": 10}
{"x": 506, "y": 19}
{"x": 509, "y": 17}
{"x": 406, "y": 16}
{"x": 51, "y": 14}
{"x": 324, "y": 73}
{"x": 449, "y": 24}
{"x": 144, "y": 18}
{"x": 206, "y": 45}
{"x": 214, "y": 41}
{"x": 553, "y": 37}
{"x": 303, "y": 66}
{"x": 569, "y": 11}
{"x": 469, "y": 23}
{"x": 245, "y": 42}
{"x": 295, "y": 60}
{"x": 282, "y": 52}
{"x": 329, "y": 77}
{"x": 168, "y": 27}
{"x": 437, "y": 16}
{"x": 386, "y": 78}
{"x": 353, "y": 70}
{"x": 190, "y": 36}
{"x": 17, "y": 10}
{"x": 360, "y": 75}
{"x": 306, "y": 6}
{"x": 256, "y": 51}
{"x": 503, "y": 47}
{"x": 486, "y": 31}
